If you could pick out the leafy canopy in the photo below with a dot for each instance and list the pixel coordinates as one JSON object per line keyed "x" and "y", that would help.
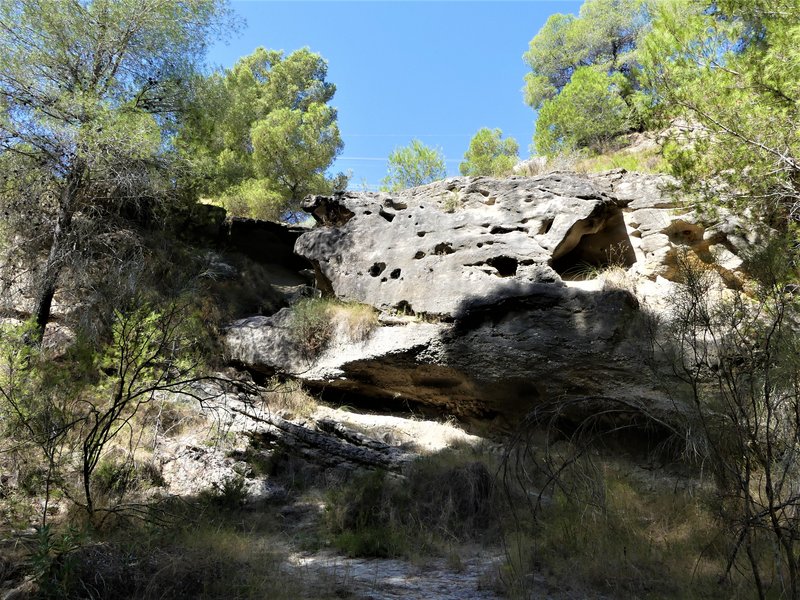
{"x": 728, "y": 74}
{"x": 92, "y": 88}
{"x": 261, "y": 134}
{"x": 489, "y": 154}
{"x": 91, "y": 92}
{"x": 412, "y": 165}
{"x": 604, "y": 36}
{"x": 587, "y": 112}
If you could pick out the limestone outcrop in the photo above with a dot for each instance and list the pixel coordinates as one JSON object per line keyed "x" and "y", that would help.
{"x": 487, "y": 293}
{"x": 443, "y": 248}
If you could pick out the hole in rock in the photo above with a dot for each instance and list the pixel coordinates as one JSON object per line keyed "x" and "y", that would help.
{"x": 419, "y": 254}
{"x": 591, "y": 245}
{"x": 396, "y": 204}
{"x": 506, "y": 266}
{"x": 545, "y": 226}
{"x": 499, "y": 230}
{"x": 395, "y": 274}
{"x": 386, "y": 215}
{"x": 404, "y": 307}
{"x": 377, "y": 269}
{"x": 443, "y": 248}
{"x": 421, "y": 233}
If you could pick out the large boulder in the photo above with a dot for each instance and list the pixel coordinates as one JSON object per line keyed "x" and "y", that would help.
{"x": 489, "y": 294}
{"x": 443, "y": 248}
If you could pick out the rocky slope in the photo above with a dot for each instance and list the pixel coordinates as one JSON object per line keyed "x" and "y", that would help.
{"x": 488, "y": 292}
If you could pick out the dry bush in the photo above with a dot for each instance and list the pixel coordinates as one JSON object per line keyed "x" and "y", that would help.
{"x": 604, "y": 525}
{"x": 357, "y": 321}
{"x": 289, "y": 399}
{"x": 739, "y": 358}
{"x": 199, "y": 552}
{"x": 317, "y": 321}
{"x": 444, "y": 499}
{"x": 619, "y": 278}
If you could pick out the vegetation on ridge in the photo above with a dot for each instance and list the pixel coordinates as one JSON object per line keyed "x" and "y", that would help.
{"x": 109, "y": 137}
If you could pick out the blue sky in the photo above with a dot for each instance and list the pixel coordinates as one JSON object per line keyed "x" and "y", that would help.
{"x": 437, "y": 71}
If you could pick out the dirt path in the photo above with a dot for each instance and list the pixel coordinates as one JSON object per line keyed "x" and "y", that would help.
{"x": 471, "y": 578}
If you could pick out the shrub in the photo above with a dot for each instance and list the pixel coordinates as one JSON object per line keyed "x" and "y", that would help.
{"x": 315, "y": 321}
{"x": 446, "y": 498}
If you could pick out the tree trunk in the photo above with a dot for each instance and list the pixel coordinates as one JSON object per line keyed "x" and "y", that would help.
{"x": 55, "y": 258}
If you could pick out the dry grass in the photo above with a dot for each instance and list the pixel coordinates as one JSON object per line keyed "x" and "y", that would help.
{"x": 202, "y": 551}
{"x": 356, "y": 321}
{"x": 316, "y": 322}
{"x": 645, "y": 161}
{"x": 625, "y": 532}
{"x": 289, "y": 399}
{"x": 443, "y": 499}
{"x": 619, "y": 278}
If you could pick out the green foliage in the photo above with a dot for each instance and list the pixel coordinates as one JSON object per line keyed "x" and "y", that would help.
{"x": 589, "y": 111}
{"x": 151, "y": 351}
{"x": 50, "y": 561}
{"x": 293, "y": 148}
{"x": 230, "y": 494}
{"x": 312, "y": 326}
{"x": 490, "y": 155}
{"x": 91, "y": 93}
{"x": 413, "y": 165}
{"x": 729, "y": 73}
{"x": 61, "y": 419}
{"x": 261, "y": 135}
{"x": 604, "y": 36}
{"x": 115, "y": 477}
{"x": 255, "y": 198}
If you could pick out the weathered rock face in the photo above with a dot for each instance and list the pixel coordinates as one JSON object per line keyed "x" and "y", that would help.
{"x": 489, "y": 275}
{"x": 442, "y": 248}
{"x": 661, "y": 227}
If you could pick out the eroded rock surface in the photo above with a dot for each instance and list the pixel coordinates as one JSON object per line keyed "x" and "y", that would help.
{"x": 491, "y": 277}
{"x": 441, "y": 248}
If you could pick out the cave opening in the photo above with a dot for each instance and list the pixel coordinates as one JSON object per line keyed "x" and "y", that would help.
{"x": 589, "y": 248}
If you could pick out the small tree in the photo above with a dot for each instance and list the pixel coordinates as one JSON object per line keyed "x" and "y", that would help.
{"x": 90, "y": 91}
{"x": 69, "y": 415}
{"x": 413, "y": 165}
{"x": 151, "y": 352}
{"x": 588, "y": 112}
{"x": 37, "y": 411}
{"x": 261, "y": 135}
{"x": 489, "y": 154}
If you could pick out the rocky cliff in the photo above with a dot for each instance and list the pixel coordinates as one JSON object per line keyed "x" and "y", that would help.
{"x": 496, "y": 294}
